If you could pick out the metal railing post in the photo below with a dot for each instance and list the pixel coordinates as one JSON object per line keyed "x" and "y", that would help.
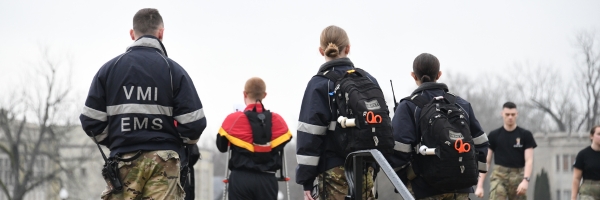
{"x": 354, "y": 170}
{"x": 358, "y": 176}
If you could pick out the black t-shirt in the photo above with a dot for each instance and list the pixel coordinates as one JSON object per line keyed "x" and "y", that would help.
{"x": 509, "y": 147}
{"x": 588, "y": 161}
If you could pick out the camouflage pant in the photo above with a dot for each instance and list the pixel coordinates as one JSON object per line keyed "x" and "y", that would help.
{"x": 336, "y": 185}
{"x": 448, "y": 196}
{"x": 152, "y": 176}
{"x": 504, "y": 183}
{"x": 589, "y": 190}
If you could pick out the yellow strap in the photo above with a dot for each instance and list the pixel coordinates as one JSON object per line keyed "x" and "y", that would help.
{"x": 281, "y": 139}
{"x": 236, "y": 141}
{"x": 250, "y": 147}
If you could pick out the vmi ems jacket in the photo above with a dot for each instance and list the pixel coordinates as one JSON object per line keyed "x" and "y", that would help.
{"x": 135, "y": 97}
{"x": 313, "y": 151}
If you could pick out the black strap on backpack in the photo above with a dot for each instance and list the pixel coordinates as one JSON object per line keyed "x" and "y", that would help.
{"x": 421, "y": 101}
{"x": 261, "y": 135}
{"x": 260, "y": 123}
{"x": 329, "y": 74}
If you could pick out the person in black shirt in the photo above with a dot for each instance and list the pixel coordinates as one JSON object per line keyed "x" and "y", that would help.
{"x": 514, "y": 158}
{"x": 587, "y": 166}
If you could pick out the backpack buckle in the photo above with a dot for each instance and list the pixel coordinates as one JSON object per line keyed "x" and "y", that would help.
{"x": 376, "y": 140}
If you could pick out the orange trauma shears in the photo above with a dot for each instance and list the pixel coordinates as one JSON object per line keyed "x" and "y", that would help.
{"x": 462, "y": 147}
{"x": 372, "y": 118}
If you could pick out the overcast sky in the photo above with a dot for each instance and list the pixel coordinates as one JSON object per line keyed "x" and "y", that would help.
{"x": 223, "y": 43}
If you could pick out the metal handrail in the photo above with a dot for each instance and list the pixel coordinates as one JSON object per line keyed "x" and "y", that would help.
{"x": 354, "y": 168}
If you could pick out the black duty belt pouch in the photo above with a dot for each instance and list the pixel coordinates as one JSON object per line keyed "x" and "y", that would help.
{"x": 110, "y": 170}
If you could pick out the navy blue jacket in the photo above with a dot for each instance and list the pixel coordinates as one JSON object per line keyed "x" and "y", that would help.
{"x": 315, "y": 122}
{"x": 407, "y": 137}
{"x": 135, "y": 98}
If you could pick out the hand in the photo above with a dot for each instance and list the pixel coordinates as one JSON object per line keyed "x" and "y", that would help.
{"x": 479, "y": 192}
{"x": 522, "y": 189}
{"x": 307, "y": 195}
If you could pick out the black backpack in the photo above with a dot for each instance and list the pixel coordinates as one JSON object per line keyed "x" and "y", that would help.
{"x": 264, "y": 157}
{"x": 261, "y": 137}
{"x": 357, "y": 97}
{"x": 444, "y": 125}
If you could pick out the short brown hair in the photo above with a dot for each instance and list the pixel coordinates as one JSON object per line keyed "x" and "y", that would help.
{"x": 256, "y": 88}
{"x": 594, "y": 130}
{"x": 509, "y": 105}
{"x": 332, "y": 39}
{"x": 146, "y": 21}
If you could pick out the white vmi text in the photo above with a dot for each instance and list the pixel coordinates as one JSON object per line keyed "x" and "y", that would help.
{"x": 141, "y": 94}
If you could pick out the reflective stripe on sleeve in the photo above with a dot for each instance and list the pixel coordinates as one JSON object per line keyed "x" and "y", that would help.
{"x": 401, "y": 147}
{"x": 482, "y": 166}
{"x": 94, "y": 114}
{"x": 190, "y": 117}
{"x": 481, "y": 139}
{"x": 307, "y": 160}
{"x": 100, "y": 137}
{"x": 311, "y": 129}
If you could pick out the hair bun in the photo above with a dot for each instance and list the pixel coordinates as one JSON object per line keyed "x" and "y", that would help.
{"x": 425, "y": 78}
{"x": 332, "y": 50}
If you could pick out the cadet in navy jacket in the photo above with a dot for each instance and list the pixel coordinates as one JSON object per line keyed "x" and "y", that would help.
{"x": 407, "y": 137}
{"x": 132, "y": 106}
{"x": 135, "y": 97}
{"x": 315, "y": 153}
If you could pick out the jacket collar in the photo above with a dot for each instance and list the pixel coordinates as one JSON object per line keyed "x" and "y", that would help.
{"x": 259, "y": 107}
{"x": 337, "y": 62}
{"x": 149, "y": 41}
{"x": 430, "y": 86}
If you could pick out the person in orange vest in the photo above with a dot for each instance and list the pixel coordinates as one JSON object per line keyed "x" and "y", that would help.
{"x": 256, "y": 138}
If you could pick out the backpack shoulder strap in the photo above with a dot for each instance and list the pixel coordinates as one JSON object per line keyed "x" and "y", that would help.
{"x": 260, "y": 123}
{"x": 450, "y": 97}
{"x": 417, "y": 99}
{"x": 330, "y": 74}
{"x": 361, "y": 72}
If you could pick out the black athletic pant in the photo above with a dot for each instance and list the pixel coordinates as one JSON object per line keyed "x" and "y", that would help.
{"x": 249, "y": 185}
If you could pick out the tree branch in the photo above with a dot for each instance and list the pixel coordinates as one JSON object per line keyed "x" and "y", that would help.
{"x": 5, "y": 189}
{"x": 557, "y": 120}
{"x": 43, "y": 180}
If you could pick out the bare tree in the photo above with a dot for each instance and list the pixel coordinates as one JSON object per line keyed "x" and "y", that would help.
{"x": 588, "y": 76}
{"x": 486, "y": 94}
{"x": 543, "y": 88}
{"x": 33, "y": 126}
